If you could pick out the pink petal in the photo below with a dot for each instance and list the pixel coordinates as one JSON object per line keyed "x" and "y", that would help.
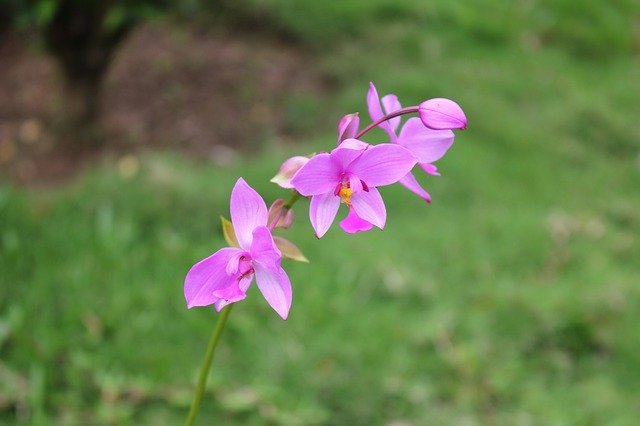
{"x": 375, "y": 111}
{"x": 442, "y": 114}
{"x": 354, "y": 183}
{"x": 430, "y": 169}
{"x": 244, "y": 286}
{"x": 353, "y": 144}
{"x": 348, "y": 126}
{"x": 322, "y": 212}
{"x": 275, "y": 286}
{"x": 207, "y": 281}
{"x": 373, "y": 103}
{"x": 248, "y": 211}
{"x": 234, "y": 262}
{"x": 288, "y": 169}
{"x": 410, "y": 182}
{"x": 390, "y": 104}
{"x": 427, "y": 145}
{"x": 318, "y": 176}
{"x": 352, "y": 223}
{"x": 382, "y": 164}
{"x": 263, "y": 248}
{"x": 346, "y": 152}
{"x": 370, "y": 207}
{"x": 221, "y": 303}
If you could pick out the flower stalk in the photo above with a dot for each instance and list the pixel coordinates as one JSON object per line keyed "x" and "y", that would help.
{"x": 394, "y": 114}
{"x": 206, "y": 365}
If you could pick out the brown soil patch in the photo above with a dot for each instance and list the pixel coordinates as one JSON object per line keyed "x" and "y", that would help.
{"x": 167, "y": 87}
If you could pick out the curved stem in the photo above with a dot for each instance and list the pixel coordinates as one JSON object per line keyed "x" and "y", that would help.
{"x": 292, "y": 200}
{"x": 394, "y": 114}
{"x": 204, "y": 370}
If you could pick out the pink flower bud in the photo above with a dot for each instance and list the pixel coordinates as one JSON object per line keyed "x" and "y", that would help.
{"x": 285, "y": 220}
{"x": 288, "y": 169}
{"x": 348, "y": 127}
{"x": 442, "y": 114}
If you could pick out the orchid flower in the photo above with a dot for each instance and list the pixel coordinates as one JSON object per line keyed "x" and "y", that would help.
{"x": 350, "y": 174}
{"x": 426, "y": 144}
{"x": 225, "y": 276}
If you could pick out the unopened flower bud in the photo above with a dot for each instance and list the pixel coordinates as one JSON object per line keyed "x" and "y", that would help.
{"x": 442, "y": 114}
{"x": 288, "y": 169}
{"x": 284, "y": 218}
{"x": 348, "y": 127}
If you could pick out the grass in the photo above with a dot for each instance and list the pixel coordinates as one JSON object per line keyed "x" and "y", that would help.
{"x": 512, "y": 299}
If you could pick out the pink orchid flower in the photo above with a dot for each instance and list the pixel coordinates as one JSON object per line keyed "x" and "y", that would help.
{"x": 426, "y": 144}
{"x": 225, "y": 276}
{"x": 350, "y": 174}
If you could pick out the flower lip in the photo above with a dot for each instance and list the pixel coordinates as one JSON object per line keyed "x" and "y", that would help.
{"x": 353, "y": 223}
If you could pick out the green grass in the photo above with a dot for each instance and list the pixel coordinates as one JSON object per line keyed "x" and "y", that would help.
{"x": 511, "y": 299}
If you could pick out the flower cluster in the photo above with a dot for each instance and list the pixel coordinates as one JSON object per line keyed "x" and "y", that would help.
{"x": 348, "y": 174}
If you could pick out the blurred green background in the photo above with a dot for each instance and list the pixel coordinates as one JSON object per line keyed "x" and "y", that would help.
{"x": 514, "y": 298}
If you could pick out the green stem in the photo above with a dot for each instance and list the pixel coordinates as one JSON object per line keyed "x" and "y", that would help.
{"x": 204, "y": 370}
{"x": 292, "y": 200}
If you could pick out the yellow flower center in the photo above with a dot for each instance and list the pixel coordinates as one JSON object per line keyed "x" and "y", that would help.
{"x": 345, "y": 194}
